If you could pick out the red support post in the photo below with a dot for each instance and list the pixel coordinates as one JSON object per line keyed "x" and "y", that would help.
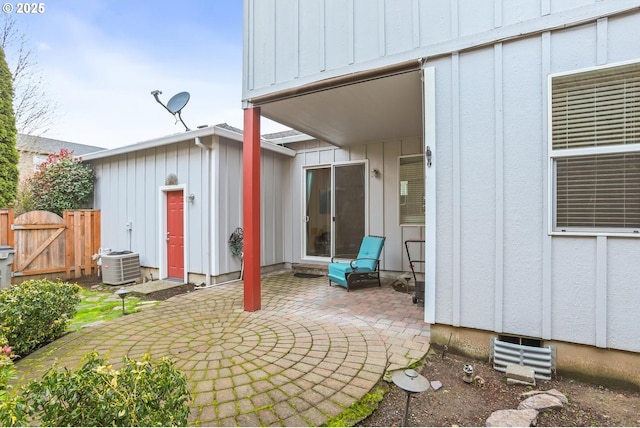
{"x": 251, "y": 208}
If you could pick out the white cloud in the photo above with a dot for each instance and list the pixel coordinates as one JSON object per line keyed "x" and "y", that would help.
{"x": 101, "y": 79}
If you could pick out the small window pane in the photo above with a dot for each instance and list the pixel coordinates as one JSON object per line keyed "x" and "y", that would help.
{"x": 598, "y": 191}
{"x": 598, "y": 108}
{"x": 411, "y": 190}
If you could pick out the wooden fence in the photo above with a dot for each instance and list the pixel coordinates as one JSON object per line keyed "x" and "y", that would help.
{"x": 49, "y": 246}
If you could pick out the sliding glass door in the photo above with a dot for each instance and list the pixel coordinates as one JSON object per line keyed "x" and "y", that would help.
{"x": 335, "y": 210}
{"x": 318, "y": 212}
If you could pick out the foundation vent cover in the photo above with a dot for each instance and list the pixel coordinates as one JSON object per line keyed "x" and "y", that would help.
{"x": 541, "y": 359}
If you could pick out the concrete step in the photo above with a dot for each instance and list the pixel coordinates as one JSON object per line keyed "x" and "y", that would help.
{"x": 310, "y": 268}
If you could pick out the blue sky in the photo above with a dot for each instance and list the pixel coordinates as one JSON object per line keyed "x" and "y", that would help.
{"x": 102, "y": 58}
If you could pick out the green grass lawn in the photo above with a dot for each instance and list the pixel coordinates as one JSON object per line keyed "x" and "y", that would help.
{"x": 97, "y": 306}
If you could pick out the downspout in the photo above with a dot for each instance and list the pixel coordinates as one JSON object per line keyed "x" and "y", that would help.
{"x": 207, "y": 231}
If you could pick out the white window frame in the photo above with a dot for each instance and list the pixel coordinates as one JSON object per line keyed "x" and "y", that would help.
{"x": 553, "y": 155}
{"x": 37, "y": 161}
{"x": 422, "y": 223}
{"x": 303, "y": 207}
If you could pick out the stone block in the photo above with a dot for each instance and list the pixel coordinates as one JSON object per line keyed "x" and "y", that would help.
{"x": 521, "y": 373}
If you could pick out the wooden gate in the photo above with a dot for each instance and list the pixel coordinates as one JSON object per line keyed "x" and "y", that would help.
{"x": 49, "y": 246}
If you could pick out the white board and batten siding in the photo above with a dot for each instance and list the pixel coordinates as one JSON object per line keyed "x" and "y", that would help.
{"x": 383, "y": 195}
{"x": 128, "y": 190}
{"x": 497, "y": 268}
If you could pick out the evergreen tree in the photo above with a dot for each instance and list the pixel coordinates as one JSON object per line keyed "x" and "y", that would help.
{"x": 8, "y": 152}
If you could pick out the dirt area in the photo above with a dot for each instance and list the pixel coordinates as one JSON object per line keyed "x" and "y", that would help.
{"x": 458, "y": 403}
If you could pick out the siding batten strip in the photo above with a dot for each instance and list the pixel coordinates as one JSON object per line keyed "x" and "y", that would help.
{"x": 416, "y": 23}
{"x": 455, "y": 116}
{"x": 274, "y": 44}
{"x": 545, "y": 7}
{"x": 454, "y": 19}
{"x": 296, "y": 41}
{"x": 322, "y": 49}
{"x": 547, "y": 249}
{"x": 382, "y": 35}
{"x": 601, "y": 43}
{"x": 499, "y": 153}
{"x": 350, "y": 33}
{"x": 601, "y": 291}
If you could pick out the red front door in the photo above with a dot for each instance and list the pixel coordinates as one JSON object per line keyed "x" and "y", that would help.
{"x": 175, "y": 234}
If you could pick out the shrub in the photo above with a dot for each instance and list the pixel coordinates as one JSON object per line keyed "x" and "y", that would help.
{"x": 63, "y": 183}
{"x": 12, "y": 408}
{"x": 36, "y": 312}
{"x": 138, "y": 394}
{"x": 24, "y": 200}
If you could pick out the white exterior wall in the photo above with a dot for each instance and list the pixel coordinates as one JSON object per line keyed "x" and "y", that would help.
{"x": 497, "y": 268}
{"x": 128, "y": 189}
{"x": 227, "y": 183}
{"x": 383, "y": 197}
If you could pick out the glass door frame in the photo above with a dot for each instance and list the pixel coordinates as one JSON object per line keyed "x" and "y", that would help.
{"x": 332, "y": 166}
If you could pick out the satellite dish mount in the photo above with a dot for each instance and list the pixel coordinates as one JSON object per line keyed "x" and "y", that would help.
{"x": 175, "y": 104}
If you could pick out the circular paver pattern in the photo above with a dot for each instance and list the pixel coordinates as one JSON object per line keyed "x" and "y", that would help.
{"x": 270, "y": 367}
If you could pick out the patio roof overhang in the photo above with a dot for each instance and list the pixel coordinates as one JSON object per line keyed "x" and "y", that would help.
{"x": 364, "y": 107}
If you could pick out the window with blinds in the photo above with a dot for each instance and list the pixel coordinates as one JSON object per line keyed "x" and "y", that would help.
{"x": 411, "y": 190}
{"x": 595, "y": 149}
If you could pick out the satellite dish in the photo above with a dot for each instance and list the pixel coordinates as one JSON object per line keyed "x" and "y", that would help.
{"x": 175, "y": 104}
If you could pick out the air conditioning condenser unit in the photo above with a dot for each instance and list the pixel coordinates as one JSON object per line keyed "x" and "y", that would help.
{"x": 120, "y": 267}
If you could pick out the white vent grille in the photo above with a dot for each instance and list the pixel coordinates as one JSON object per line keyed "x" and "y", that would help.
{"x": 120, "y": 268}
{"x": 542, "y": 360}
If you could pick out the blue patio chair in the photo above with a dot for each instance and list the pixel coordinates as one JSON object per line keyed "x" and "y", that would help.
{"x": 364, "y": 269}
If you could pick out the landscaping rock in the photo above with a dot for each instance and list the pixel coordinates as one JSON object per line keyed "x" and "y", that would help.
{"x": 436, "y": 385}
{"x": 512, "y": 418}
{"x": 541, "y": 402}
{"x": 553, "y": 392}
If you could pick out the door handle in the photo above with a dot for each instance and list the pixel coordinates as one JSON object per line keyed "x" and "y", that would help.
{"x": 307, "y": 219}
{"x": 167, "y": 237}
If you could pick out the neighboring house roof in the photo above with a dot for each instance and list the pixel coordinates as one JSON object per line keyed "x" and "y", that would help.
{"x": 289, "y": 136}
{"x": 282, "y": 134}
{"x": 222, "y": 130}
{"x": 45, "y": 146}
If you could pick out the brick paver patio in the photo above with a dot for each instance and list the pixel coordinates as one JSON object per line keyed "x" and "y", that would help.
{"x": 307, "y": 355}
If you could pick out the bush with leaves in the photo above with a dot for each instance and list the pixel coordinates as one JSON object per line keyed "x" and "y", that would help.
{"x": 137, "y": 394}
{"x": 62, "y": 183}
{"x": 36, "y": 312}
{"x": 13, "y": 409}
{"x": 24, "y": 200}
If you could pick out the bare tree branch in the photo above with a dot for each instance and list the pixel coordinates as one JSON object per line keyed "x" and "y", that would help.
{"x": 33, "y": 110}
